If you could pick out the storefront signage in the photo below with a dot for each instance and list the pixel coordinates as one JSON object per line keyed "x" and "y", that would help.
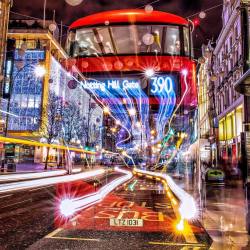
{"x": 7, "y": 81}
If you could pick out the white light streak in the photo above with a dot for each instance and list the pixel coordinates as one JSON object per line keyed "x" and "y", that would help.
{"x": 69, "y": 206}
{"x": 26, "y": 176}
{"x": 8, "y": 113}
{"x": 17, "y": 186}
{"x": 187, "y": 209}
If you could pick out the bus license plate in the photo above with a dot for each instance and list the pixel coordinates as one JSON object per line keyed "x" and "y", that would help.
{"x": 126, "y": 222}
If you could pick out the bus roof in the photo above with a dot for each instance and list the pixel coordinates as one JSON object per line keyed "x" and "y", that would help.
{"x": 128, "y": 16}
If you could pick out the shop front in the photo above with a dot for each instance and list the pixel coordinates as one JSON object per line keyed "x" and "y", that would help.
{"x": 230, "y": 128}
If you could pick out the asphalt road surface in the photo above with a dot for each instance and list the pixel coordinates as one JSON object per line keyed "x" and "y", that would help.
{"x": 27, "y": 216}
{"x": 95, "y": 228}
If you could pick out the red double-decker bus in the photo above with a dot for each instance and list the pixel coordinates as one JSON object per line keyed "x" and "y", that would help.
{"x": 121, "y": 50}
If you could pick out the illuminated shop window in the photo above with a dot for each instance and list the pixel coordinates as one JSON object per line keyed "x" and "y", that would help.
{"x": 60, "y": 86}
{"x": 221, "y": 131}
{"x": 26, "y": 97}
{"x": 239, "y": 120}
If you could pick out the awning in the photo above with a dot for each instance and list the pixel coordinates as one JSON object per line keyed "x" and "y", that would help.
{"x": 243, "y": 84}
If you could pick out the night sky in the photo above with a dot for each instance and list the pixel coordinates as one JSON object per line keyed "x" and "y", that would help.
{"x": 207, "y": 29}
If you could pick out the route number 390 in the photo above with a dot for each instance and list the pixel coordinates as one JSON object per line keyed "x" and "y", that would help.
{"x": 161, "y": 84}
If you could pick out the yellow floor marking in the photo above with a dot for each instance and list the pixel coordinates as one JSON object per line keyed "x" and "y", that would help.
{"x": 50, "y": 235}
{"x": 176, "y": 244}
{"x": 73, "y": 238}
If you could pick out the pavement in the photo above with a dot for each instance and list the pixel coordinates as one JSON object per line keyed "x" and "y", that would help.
{"x": 38, "y": 167}
{"x": 29, "y": 167}
{"x": 31, "y": 219}
{"x": 223, "y": 212}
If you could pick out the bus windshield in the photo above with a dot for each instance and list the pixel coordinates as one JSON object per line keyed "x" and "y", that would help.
{"x": 129, "y": 40}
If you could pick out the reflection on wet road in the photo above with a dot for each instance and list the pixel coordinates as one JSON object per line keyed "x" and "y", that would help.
{"x": 225, "y": 216}
{"x": 138, "y": 200}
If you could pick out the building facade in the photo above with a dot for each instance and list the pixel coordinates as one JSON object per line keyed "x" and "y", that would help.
{"x": 41, "y": 92}
{"x": 203, "y": 83}
{"x": 4, "y": 19}
{"x": 228, "y": 66}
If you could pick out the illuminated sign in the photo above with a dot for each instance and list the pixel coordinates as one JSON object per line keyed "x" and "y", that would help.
{"x": 26, "y": 90}
{"x": 162, "y": 85}
{"x": 116, "y": 84}
{"x": 113, "y": 87}
{"x": 8, "y": 73}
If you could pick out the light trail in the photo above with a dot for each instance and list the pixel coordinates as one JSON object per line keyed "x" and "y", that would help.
{"x": 23, "y": 185}
{"x": 184, "y": 72}
{"x": 187, "y": 208}
{"x": 25, "y": 176}
{"x": 8, "y": 113}
{"x": 136, "y": 99}
{"x": 69, "y": 206}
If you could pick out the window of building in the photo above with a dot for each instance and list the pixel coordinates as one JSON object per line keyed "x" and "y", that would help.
{"x": 27, "y": 90}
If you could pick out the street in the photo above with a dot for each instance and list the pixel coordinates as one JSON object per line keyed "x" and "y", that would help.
{"x": 90, "y": 228}
{"x": 125, "y": 125}
{"x": 29, "y": 215}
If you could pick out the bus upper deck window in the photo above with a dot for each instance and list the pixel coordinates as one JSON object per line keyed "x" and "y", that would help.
{"x": 172, "y": 40}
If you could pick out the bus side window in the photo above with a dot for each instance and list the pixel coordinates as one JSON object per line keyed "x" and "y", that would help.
{"x": 186, "y": 41}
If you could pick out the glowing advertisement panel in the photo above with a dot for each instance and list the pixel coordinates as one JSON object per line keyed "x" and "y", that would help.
{"x": 27, "y": 91}
{"x": 119, "y": 87}
{"x": 163, "y": 85}
{"x": 160, "y": 86}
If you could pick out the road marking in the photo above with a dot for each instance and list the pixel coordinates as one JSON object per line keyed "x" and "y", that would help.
{"x": 13, "y": 204}
{"x": 72, "y": 238}
{"x": 6, "y": 196}
{"x": 50, "y": 235}
{"x": 34, "y": 189}
{"x": 177, "y": 244}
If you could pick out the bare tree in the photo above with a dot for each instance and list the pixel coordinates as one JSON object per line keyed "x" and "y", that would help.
{"x": 71, "y": 121}
{"x": 82, "y": 131}
{"x": 51, "y": 124}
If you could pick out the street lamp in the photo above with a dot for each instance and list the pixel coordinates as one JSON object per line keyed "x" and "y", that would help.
{"x": 152, "y": 132}
{"x": 138, "y": 125}
{"x": 39, "y": 71}
{"x": 149, "y": 72}
{"x": 106, "y": 110}
{"x": 73, "y": 2}
{"x": 132, "y": 112}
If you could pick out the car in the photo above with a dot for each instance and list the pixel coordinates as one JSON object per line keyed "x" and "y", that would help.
{"x": 215, "y": 175}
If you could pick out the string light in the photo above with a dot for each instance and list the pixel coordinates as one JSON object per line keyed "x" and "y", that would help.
{"x": 202, "y": 14}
